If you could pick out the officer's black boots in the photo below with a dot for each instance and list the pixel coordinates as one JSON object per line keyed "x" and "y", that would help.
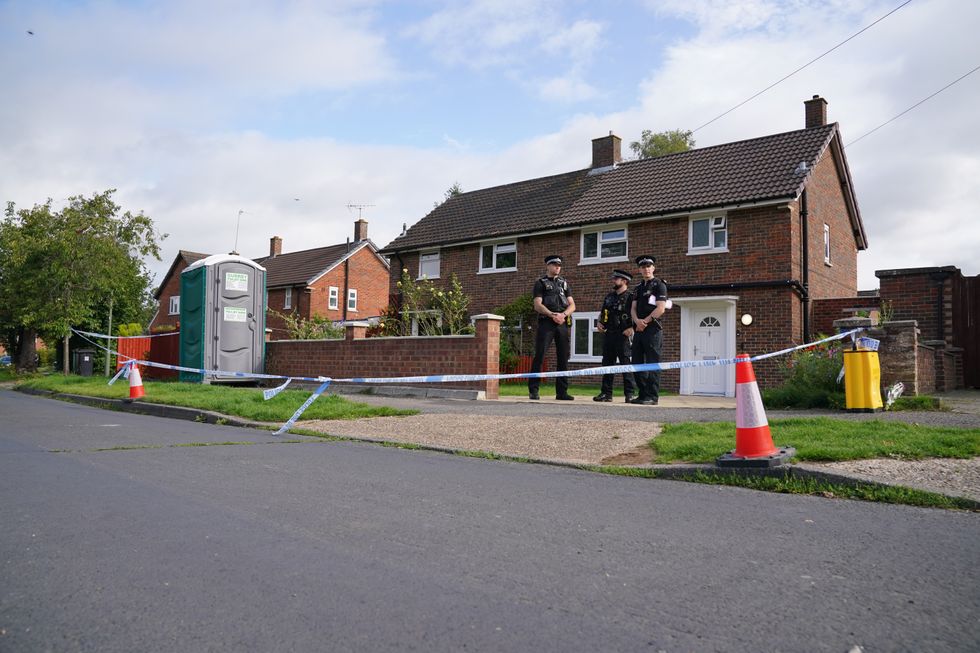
{"x": 602, "y": 397}
{"x": 565, "y": 397}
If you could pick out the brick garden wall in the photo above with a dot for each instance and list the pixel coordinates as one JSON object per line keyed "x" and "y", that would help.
{"x": 359, "y": 356}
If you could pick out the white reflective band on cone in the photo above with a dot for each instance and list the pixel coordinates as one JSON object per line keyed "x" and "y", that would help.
{"x": 749, "y": 412}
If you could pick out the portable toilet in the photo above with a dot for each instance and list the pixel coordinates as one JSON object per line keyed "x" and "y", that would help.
{"x": 222, "y": 318}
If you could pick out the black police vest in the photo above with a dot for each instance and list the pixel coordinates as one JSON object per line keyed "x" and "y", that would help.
{"x": 616, "y": 311}
{"x": 555, "y": 295}
{"x": 644, "y": 292}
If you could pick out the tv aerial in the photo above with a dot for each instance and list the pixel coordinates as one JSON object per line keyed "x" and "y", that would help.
{"x": 359, "y": 207}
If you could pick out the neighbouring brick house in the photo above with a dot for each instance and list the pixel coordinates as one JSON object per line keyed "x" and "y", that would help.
{"x": 343, "y": 282}
{"x": 168, "y": 294}
{"x": 760, "y": 227}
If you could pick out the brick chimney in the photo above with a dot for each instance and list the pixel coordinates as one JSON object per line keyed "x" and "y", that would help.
{"x": 360, "y": 230}
{"x": 275, "y": 246}
{"x": 606, "y": 151}
{"x": 816, "y": 112}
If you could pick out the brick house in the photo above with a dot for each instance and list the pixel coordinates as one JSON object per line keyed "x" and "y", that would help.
{"x": 168, "y": 294}
{"x": 343, "y": 282}
{"x": 347, "y": 281}
{"x": 758, "y": 228}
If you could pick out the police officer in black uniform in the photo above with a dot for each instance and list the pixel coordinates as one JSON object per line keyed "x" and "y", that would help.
{"x": 616, "y": 324}
{"x": 554, "y": 305}
{"x": 649, "y": 303}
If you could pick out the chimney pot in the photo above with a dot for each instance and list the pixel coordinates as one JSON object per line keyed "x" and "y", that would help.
{"x": 815, "y": 112}
{"x": 360, "y": 230}
{"x": 275, "y": 246}
{"x": 606, "y": 151}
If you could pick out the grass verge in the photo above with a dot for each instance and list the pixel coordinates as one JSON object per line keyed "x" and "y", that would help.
{"x": 822, "y": 439}
{"x": 241, "y": 402}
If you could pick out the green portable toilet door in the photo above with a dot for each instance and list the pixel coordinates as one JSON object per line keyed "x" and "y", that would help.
{"x": 193, "y": 290}
{"x": 236, "y": 322}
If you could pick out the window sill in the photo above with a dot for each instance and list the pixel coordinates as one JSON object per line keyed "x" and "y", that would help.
{"x": 699, "y": 252}
{"x": 425, "y": 278}
{"x": 600, "y": 261}
{"x": 495, "y": 271}
{"x": 584, "y": 359}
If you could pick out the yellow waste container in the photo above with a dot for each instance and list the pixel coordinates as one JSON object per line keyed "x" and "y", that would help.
{"x": 862, "y": 381}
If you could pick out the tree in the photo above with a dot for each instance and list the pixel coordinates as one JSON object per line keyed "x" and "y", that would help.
{"x": 666, "y": 142}
{"x": 63, "y": 269}
{"x": 450, "y": 193}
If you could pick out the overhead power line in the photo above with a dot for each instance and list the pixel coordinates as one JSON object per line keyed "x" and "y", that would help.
{"x": 962, "y": 77}
{"x": 780, "y": 81}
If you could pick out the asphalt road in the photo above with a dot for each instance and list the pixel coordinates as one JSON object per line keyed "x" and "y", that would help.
{"x": 315, "y": 546}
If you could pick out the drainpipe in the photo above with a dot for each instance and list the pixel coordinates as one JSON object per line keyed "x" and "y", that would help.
{"x": 805, "y": 267}
{"x": 346, "y": 280}
{"x": 940, "y": 279}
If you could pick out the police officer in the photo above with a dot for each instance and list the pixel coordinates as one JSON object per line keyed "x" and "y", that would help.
{"x": 554, "y": 305}
{"x": 649, "y": 303}
{"x": 617, "y": 325}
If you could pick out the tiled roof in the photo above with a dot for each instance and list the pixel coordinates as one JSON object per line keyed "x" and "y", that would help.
{"x": 523, "y": 206}
{"x": 301, "y": 268}
{"x": 743, "y": 172}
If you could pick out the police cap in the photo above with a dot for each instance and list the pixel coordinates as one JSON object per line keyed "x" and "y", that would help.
{"x": 622, "y": 274}
{"x": 552, "y": 259}
{"x": 646, "y": 260}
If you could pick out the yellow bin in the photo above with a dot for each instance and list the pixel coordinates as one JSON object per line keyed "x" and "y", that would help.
{"x": 862, "y": 381}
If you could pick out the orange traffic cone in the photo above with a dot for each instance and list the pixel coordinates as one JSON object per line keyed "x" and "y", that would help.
{"x": 753, "y": 441}
{"x": 135, "y": 383}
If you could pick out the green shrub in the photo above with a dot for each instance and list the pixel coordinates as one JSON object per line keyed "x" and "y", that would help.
{"x": 811, "y": 381}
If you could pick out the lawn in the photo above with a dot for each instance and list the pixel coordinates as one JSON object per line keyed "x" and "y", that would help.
{"x": 821, "y": 439}
{"x": 228, "y": 400}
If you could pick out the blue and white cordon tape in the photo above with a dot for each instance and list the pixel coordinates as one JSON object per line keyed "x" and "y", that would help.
{"x": 445, "y": 378}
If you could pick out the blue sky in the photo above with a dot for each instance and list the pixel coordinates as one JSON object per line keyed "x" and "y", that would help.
{"x": 195, "y": 110}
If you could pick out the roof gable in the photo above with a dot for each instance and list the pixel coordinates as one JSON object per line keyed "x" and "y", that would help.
{"x": 304, "y": 267}
{"x": 182, "y": 255}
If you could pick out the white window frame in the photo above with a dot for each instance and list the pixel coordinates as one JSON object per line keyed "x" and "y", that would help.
{"x": 333, "y": 298}
{"x": 174, "y": 305}
{"x": 585, "y": 357}
{"x": 826, "y": 244}
{"x": 716, "y": 223}
{"x": 287, "y": 298}
{"x": 352, "y": 299}
{"x": 426, "y": 260}
{"x": 505, "y": 247}
{"x": 603, "y": 239}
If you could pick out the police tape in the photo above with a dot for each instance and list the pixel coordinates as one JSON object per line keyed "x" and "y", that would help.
{"x": 451, "y": 378}
{"x": 108, "y": 337}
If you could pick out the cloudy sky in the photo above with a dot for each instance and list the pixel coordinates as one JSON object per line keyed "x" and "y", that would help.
{"x": 291, "y": 111}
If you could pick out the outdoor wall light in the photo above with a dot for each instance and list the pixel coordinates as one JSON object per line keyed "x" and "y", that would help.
{"x": 746, "y": 319}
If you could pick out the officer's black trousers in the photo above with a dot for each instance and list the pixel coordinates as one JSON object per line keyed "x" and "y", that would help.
{"x": 616, "y": 349}
{"x": 647, "y": 345}
{"x": 548, "y": 331}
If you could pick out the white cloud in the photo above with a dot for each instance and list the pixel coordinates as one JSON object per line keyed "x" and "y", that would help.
{"x": 566, "y": 89}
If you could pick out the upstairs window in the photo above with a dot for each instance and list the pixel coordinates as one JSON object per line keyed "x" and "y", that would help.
{"x": 498, "y": 257}
{"x": 429, "y": 265}
{"x": 287, "y": 298}
{"x": 826, "y": 244}
{"x": 604, "y": 246}
{"x": 333, "y": 298}
{"x": 351, "y": 300}
{"x": 175, "y": 305}
{"x": 708, "y": 235}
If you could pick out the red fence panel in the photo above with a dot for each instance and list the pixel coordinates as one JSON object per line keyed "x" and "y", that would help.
{"x": 159, "y": 349}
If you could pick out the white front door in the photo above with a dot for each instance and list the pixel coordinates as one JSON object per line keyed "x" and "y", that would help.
{"x": 709, "y": 344}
